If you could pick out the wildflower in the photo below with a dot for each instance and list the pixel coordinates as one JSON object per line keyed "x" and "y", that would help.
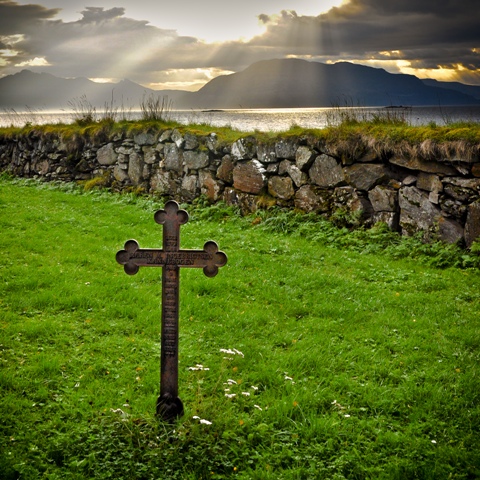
{"x": 198, "y": 366}
{"x": 260, "y": 408}
{"x": 347, "y": 416}
{"x": 295, "y": 403}
{"x": 202, "y": 420}
{"x": 231, "y": 382}
{"x": 434, "y": 441}
{"x": 118, "y": 410}
{"x": 255, "y": 388}
{"x": 247, "y": 394}
{"x": 227, "y": 350}
{"x": 230, "y": 395}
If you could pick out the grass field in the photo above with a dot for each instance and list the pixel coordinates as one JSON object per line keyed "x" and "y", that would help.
{"x": 314, "y": 353}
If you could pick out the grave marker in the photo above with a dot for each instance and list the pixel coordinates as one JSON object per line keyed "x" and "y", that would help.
{"x": 171, "y": 259}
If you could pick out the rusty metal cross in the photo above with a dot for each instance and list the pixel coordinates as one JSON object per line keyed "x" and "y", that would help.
{"x": 170, "y": 258}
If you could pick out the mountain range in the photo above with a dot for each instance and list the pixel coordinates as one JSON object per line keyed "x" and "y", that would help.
{"x": 280, "y": 83}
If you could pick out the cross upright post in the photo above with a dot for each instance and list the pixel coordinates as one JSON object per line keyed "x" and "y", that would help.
{"x": 171, "y": 259}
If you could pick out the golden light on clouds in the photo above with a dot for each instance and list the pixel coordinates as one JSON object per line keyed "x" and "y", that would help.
{"x": 34, "y": 62}
{"x": 191, "y": 79}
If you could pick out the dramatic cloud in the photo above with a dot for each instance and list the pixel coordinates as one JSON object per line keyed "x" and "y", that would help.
{"x": 402, "y": 34}
{"x": 427, "y": 38}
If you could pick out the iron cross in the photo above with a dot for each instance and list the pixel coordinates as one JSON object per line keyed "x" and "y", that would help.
{"x": 170, "y": 258}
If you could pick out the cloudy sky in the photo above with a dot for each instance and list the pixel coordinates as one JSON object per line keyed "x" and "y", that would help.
{"x": 183, "y": 44}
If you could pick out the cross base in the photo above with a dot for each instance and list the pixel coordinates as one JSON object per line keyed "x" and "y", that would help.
{"x": 169, "y": 408}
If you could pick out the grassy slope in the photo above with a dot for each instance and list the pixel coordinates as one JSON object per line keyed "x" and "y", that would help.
{"x": 366, "y": 367}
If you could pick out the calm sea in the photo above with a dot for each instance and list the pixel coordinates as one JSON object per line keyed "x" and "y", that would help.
{"x": 270, "y": 119}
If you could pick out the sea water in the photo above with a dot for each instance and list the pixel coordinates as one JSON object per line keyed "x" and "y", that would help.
{"x": 272, "y": 119}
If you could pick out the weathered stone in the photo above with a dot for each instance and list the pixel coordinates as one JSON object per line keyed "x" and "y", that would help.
{"x": 249, "y": 177}
{"x": 273, "y": 168}
{"x": 449, "y": 231}
{"x": 367, "y": 157}
{"x": 189, "y": 186}
{"x": 462, "y": 169}
{"x": 135, "y": 168}
{"x": 161, "y": 183}
{"x": 173, "y": 157}
{"x": 452, "y": 207}
{"x": 120, "y": 174}
{"x": 304, "y": 158}
{"x": 472, "y": 183}
{"x": 212, "y": 142}
{"x": 312, "y": 199}
{"x": 147, "y": 170}
{"x": 284, "y": 166}
{"x": 191, "y": 141}
{"x": 299, "y": 178}
{"x": 364, "y": 176}
{"x": 195, "y": 160}
{"x": 416, "y": 212}
{"x": 230, "y": 196}
{"x": 349, "y": 197}
{"x": 166, "y": 136}
{"x": 326, "y": 172}
{"x": 43, "y": 167}
{"x": 429, "y": 182}
{"x": 149, "y": 155}
{"x": 476, "y": 170}
{"x": 209, "y": 186}
{"x": 124, "y": 150}
{"x": 286, "y": 148}
{"x": 82, "y": 166}
{"x": 409, "y": 180}
{"x": 177, "y": 138}
{"x": 145, "y": 138}
{"x": 266, "y": 153}
{"x": 389, "y": 218}
{"x": 423, "y": 165}
{"x": 459, "y": 193}
{"x": 244, "y": 148}
{"x": 383, "y": 199}
{"x": 225, "y": 170}
{"x": 246, "y": 202}
{"x": 434, "y": 197}
{"x": 281, "y": 187}
{"x": 472, "y": 225}
{"x": 106, "y": 155}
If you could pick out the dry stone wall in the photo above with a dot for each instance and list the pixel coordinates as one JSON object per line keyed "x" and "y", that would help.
{"x": 439, "y": 197}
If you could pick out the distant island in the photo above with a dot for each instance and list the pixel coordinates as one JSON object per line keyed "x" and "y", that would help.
{"x": 278, "y": 83}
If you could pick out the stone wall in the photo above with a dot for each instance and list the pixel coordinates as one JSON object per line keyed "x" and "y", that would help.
{"x": 409, "y": 192}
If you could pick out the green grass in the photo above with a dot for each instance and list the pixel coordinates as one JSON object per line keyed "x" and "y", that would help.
{"x": 360, "y": 357}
